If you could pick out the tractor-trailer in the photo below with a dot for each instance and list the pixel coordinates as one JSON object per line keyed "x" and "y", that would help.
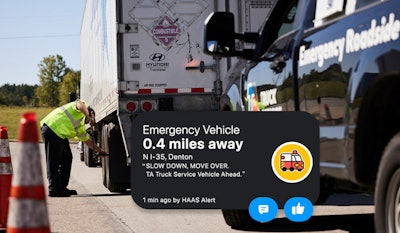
{"x": 139, "y": 56}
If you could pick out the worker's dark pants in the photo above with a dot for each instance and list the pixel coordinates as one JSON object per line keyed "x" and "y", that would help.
{"x": 58, "y": 160}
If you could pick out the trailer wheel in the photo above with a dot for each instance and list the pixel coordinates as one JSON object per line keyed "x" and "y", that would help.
{"x": 80, "y": 149}
{"x": 110, "y": 185}
{"x": 238, "y": 218}
{"x": 89, "y": 157}
{"x": 116, "y": 174}
{"x": 387, "y": 190}
{"x": 325, "y": 190}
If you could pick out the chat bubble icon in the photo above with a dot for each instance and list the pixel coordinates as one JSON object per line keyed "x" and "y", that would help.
{"x": 263, "y": 209}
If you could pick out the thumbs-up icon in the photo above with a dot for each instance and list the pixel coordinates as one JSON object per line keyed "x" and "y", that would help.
{"x": 298, "y": 209}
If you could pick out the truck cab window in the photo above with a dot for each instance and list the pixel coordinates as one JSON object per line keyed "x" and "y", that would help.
{"x": 279, "y": 23}
{"x": 287, "y": 24}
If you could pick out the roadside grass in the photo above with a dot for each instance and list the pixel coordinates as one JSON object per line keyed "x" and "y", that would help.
{"x": 11, "y": 115}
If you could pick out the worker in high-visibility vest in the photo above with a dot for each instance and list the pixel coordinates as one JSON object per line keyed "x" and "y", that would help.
{"x": 60, "y": 125}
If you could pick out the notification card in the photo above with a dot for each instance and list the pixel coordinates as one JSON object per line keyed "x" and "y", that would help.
{"x": 223, "y": 160}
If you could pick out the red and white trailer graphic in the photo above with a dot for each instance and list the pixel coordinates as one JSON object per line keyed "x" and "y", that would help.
{"x": 291, "y": 161}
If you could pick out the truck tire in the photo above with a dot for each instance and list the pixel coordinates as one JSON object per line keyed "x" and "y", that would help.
{"x": 238, "y": 218}
{"x": 325, "y": 190}
{"x": 88, "y": 157}
{"x": 108, "y": 183}
{"x": 116, "y": 174}
{"x": 80, "y": 147}
{"x": 387, "y": 190}
{"x": 81, "y": 154}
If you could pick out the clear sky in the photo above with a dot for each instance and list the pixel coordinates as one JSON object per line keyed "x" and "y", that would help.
{"x": 33, "y": 29}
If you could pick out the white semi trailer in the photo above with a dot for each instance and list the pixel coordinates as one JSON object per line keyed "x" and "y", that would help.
{"x": 146, "y": 55}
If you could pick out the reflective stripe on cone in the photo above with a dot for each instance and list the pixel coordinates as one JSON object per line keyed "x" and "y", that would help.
{"x": 6, "y": 172}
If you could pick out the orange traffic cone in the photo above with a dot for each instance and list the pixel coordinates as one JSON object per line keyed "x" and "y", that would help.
{"x": 28, "y": 208}
{"x": 5, "y": 175}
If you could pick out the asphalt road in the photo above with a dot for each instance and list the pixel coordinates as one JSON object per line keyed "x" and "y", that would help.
{"x": 95, "y": 209}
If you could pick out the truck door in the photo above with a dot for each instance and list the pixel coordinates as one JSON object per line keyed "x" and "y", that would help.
{"x": 328, "y": 65}
{"x": 272, "y": 77}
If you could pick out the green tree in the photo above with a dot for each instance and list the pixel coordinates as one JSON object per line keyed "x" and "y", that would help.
{"x": 51, "y": 72}
{"x": 69, "y": 84}
{"x": 16, "y": 95}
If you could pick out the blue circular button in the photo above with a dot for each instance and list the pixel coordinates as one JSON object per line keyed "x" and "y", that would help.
{"x": 298, "y": 209}
{"x": 263, "y": 209}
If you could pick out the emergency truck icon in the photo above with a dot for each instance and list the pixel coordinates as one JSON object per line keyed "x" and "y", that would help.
{"x": 291, "y": 161}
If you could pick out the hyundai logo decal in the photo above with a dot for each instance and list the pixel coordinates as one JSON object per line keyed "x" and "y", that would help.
{"x": 157, "y": 57}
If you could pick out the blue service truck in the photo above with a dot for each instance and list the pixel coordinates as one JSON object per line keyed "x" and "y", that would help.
{"x": 339, "y": 61}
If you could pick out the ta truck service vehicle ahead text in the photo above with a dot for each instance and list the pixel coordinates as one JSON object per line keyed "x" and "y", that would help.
{"x": 339, "y": 61}
{"x": 146, "y": 55}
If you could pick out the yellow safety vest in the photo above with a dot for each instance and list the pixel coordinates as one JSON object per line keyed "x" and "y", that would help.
{"x": 67, "y": 121}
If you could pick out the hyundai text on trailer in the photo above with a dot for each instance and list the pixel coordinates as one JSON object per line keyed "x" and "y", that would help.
{"x": 145, "y": 55}
{"x": 339, "y": 61}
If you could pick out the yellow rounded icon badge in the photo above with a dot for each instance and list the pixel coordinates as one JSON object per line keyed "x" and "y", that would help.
{"x": 292, "y": 162}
